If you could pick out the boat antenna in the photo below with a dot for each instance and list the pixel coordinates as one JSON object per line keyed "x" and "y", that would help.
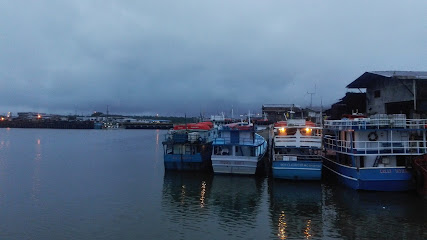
{"x": 232, "y": 113}
{"x": 249, "y": 117}
{"x": 321, "y": 112}
{"x": 311, "y": 96}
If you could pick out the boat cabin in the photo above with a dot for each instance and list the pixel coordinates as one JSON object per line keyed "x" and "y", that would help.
{"x": 297, "y": 133}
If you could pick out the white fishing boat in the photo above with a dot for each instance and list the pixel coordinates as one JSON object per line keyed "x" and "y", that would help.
{"x": 237, "y": 149}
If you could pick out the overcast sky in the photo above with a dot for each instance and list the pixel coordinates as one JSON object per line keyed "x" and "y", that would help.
{"x": 176, "y": 57}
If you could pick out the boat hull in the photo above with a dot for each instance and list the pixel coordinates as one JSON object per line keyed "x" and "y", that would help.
{"x": 370, "y": 179}
{"x": 187, "y": 162}
{"x": 297, "y": 170}
{"x": 235, "y": 165}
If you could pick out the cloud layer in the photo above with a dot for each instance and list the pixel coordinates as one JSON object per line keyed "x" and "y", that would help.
{"x": 176, "y": 57}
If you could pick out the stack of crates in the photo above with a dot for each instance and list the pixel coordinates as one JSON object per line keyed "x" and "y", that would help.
{"x": 380, "y": 120}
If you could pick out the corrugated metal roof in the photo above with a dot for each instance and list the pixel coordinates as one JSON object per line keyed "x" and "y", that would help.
{"x": 363, "y": 81}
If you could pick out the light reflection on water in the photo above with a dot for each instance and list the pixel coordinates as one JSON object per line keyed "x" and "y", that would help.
{"x": 157, "y": 147}
{"x": 296, "y": 207}
{"x": 60, "y": 184}
{"x": 36, "y": 172}
{"x": 282, "y": 226}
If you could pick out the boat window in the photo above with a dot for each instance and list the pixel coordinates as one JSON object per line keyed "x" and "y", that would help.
{"x": 226, "y": 151}
{"x": 246, "y": 151}
{"x": 169, "y": 149}
{"x": 177, "y": 149}
{"x": 238, "y": 151}
{"x": 377, "y": 93}
{"x": 187, "y": 149}
{"x": 217, "y": 150}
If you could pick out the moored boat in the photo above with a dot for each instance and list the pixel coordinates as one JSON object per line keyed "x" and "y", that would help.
{"x": 296, "y": 150}
{"x": 237, "y": 149}
{"x": 374, "y": 153}
{"x": 189, "y": 147}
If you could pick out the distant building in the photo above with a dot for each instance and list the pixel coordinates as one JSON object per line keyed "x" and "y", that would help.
{"x": 394, "y": 92}
{"x": 351, "y": 103}
{"x": 279, "y": 112}
{"x": 31, "y": 115}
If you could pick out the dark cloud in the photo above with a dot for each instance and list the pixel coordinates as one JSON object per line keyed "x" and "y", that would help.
{"x": 181, "y": 57}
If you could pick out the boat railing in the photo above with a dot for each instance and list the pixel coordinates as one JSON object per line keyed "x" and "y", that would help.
{"x": 368, "y": 123}
{"x": 298, "y": 141}
{"x": 290, "y": 157}
{"x": 409, "y": 147}
{"x": 240, "y": 141}
{"x": 185, "y": 138}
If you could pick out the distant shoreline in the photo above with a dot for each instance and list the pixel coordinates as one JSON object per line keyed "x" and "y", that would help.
{"x": 78, "y": 125}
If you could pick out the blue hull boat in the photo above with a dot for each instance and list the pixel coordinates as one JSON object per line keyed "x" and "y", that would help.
{"x": 297, "y": 170}
{"x": 375, "y": 153}
{"x": 188, "y": 162}
{"x": 296, "y": 150}
{"x": 189, "y": 147}
{"x": 371, "y": 179}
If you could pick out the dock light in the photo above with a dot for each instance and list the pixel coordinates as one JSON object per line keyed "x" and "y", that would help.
{"x": 2, "y": 118}
{"x": 39, "y": 116}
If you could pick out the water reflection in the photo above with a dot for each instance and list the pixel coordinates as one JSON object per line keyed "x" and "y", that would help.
{"x": 377, "y": 215}
{"x": 189, "y": 189}
{"x": 282, "y": 226}
{"x": 185, "y": 202}
{"x": 236, "y": 200}
{"x": 296, "y": 209}
{"x": 157, "y": 140}
{"x": 157, "y": 149}
{"x": 202, "y": 194}
{"x": 35, "y": 190}
{"x": 4, "y": 145}
{"x": 196, "y": 203}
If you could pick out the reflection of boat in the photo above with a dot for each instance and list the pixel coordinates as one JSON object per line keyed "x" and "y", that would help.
{"x": 296, "y": 209}
{"x": 189, "y": 147}
{"x": 375, "y": 215}
{"x": 185, "y": 203}
{"x": 420, "y": 172}
{"x": 236, "y": 198}
{"x": 237, "y": 149}
{"x": 190, "y": 189}
{"x": 374, "y": 153}
{"x": 296, "y": 156}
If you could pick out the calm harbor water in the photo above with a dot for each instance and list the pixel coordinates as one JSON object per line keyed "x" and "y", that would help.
{"x": 110, "y": 184}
